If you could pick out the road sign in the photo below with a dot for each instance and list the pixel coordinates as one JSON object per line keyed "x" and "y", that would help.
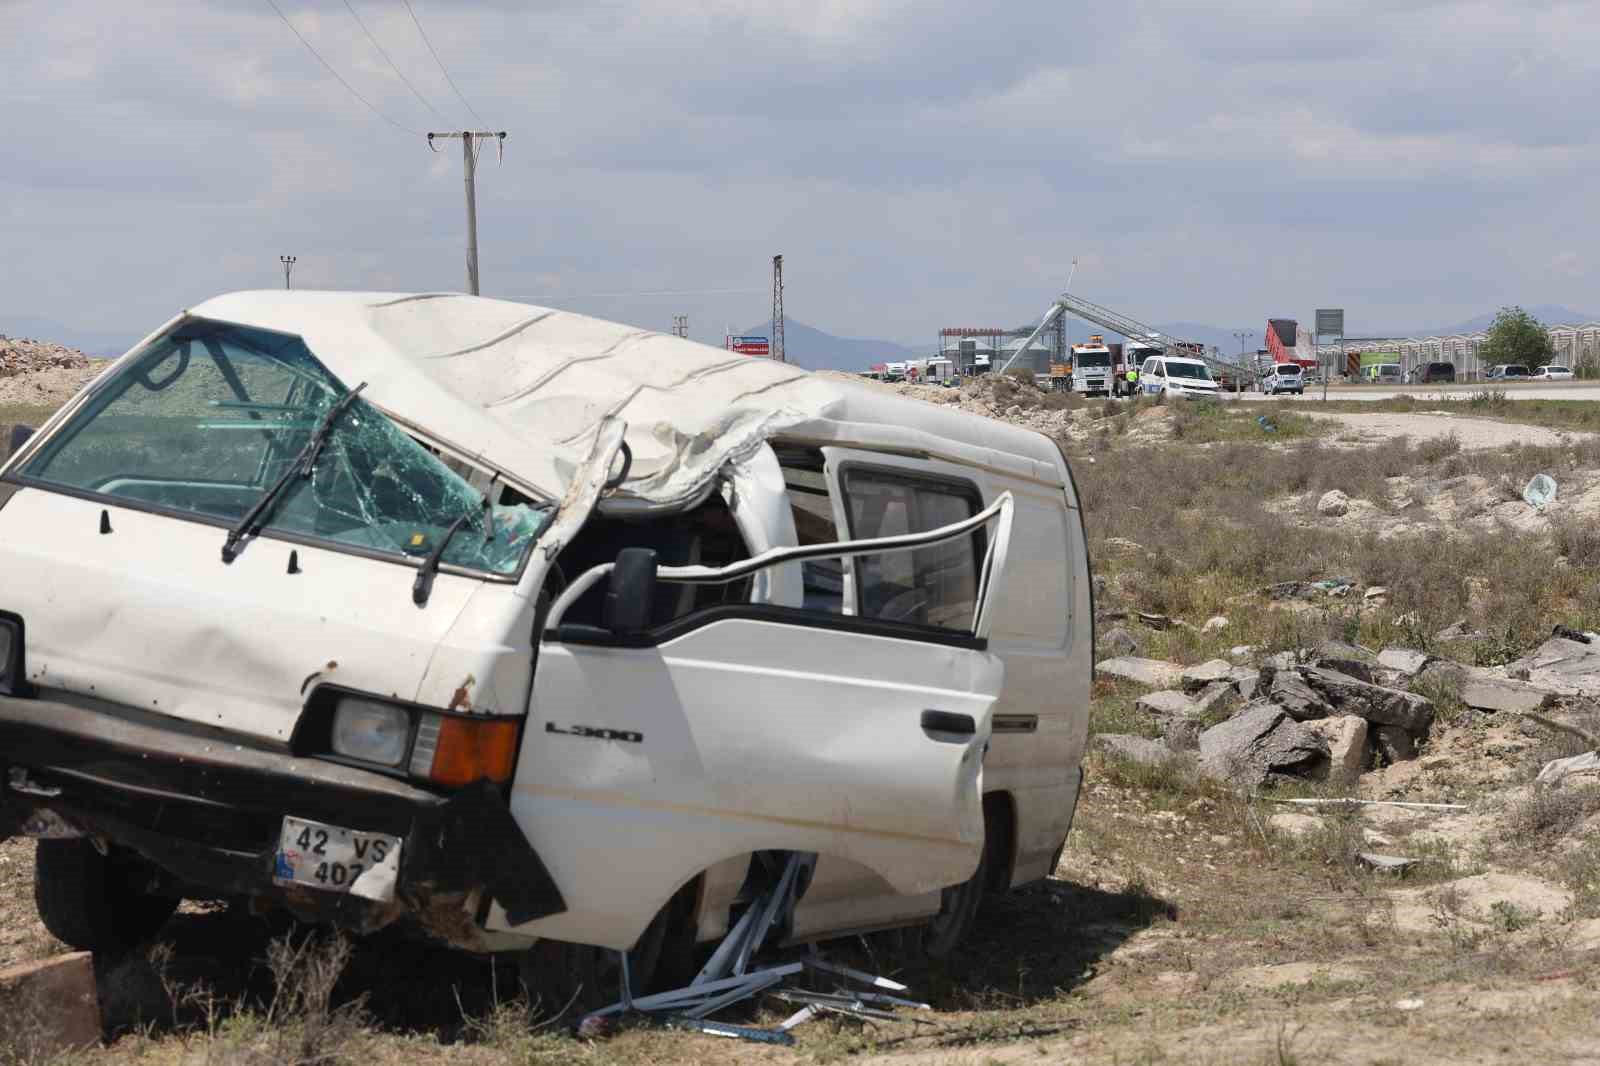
{"x": 1330, "y": 321}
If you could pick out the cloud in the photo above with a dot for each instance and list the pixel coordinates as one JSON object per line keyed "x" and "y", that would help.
{"x": 918, "y": 164}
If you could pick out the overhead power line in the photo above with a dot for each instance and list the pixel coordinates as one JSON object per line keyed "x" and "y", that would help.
{"x": 398, "y": 73}
{"x": 442, "y": 70}
{"x": 351, "y": 89}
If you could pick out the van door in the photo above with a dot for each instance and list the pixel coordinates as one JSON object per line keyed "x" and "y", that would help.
{"x": 651, "y": 755}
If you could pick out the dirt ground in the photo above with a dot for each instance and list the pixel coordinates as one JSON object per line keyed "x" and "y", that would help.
{"x": 1367, "y": 429}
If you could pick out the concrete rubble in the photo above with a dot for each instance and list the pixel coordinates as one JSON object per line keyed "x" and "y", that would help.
{"x": 1152, "y": 673}
{"x": 1259, "y": 743}
{"x": 1323, "y": 713}
{"x": 1132, "y": 748}
{"x": 19, "y": 356}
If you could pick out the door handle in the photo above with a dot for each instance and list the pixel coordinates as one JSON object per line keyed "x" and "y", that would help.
{"x": 949, "y": 723}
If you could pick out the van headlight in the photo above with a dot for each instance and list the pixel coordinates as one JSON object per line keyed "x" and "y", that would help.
{"x": 371, "y": 731}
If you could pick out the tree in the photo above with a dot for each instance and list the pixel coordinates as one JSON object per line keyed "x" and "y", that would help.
{"x": 1516, "y": 337}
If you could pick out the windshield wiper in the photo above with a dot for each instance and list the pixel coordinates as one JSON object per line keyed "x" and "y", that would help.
{"x": 303, "y": 464}
{"x": 422, "y": 587}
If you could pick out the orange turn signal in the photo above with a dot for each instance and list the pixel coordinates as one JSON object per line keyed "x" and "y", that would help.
{"x": 474, "y": 749}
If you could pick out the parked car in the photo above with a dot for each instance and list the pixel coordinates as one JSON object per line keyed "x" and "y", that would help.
{"x": 1168, "y": 375}
{"x": 1381, "y": 374}
{"x": 372, "y": 607}
{"x": 1433, "y": 374}
{"x": 1553, "y": 372}
{"x": 1508, "y": 372}
{"x": 1284, "y": 377}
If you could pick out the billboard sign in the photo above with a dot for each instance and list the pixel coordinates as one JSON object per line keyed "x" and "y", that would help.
{"x": 1330, "y": 322}
{"x": 750, "y": 345}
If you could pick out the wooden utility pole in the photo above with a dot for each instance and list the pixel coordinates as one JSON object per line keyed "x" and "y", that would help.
{"x": 469, "y": 160}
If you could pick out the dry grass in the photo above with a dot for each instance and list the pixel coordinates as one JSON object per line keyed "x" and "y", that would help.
{"x": 1210, "y": 543}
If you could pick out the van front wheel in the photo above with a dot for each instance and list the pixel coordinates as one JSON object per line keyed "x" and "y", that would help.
{"x": 570, "y": 980}
{"x": 95, "y": 902}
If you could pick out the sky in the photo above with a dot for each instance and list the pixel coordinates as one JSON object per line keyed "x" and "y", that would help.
{"x": 917, "y": 164}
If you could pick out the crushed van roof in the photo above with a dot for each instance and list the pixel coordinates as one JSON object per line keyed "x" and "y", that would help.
{"x": 524, "y": 389}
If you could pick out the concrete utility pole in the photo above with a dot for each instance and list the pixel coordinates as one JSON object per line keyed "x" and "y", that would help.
{"x": 469, "y": 159}
{"x": 288, "y": 267}
{"x": 777, "y": 310}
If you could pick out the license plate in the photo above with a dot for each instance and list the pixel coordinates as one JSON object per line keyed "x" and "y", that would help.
{"x": 336, "y": 859}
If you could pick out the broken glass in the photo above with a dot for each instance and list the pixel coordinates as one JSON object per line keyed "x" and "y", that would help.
{"x": 211, "y": 414}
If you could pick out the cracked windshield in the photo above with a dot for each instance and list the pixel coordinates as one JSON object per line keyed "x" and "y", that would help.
{"x": 212, "y": 415}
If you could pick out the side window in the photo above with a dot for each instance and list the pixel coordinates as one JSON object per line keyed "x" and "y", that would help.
{"x": 937, "y": 585}
{"x": 822, "y": 580}
{"x": 1161, "y": 369}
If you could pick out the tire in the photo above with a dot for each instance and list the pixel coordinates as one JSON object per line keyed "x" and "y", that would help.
{"x": 958, "y": 908}
{"x": 93, "y": 902}
{"x": 570, "y": 980}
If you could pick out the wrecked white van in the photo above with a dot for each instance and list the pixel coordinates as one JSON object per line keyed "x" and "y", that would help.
{"x": 538, "y": 632}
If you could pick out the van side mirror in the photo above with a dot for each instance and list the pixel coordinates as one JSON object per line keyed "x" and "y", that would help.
{"x": 631, "y": 595}
{"x": 19, "y": 437}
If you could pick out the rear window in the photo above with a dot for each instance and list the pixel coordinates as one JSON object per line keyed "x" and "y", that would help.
{"x": 1289, "y": 369}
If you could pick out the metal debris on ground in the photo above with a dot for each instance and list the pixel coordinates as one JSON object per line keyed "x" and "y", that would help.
{"x": 726, "y": 979}
{"x": 1374, "y": 803}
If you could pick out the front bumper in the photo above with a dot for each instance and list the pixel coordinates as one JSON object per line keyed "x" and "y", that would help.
{"x": 207, "y": 806}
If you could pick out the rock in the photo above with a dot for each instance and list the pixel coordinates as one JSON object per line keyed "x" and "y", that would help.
{"x": 1404, "y": 661}
{"x": 1394, "y": 744}
{"x": 1245, "y": 681}
{"x": 1123, "y": 546}
{"x": 1182, "y": 734}
{"x": 1214, "y": 623}
{"x": 1333, "y": 504}
{"x": 1132, "y": 748}
{"x": 58, "y": 995}
{"x": 1207, "y": 673}
{"x": 1338, "y": 649}
{"x": 1294, "y": 824}
{"x": 1566, "y": 667}
{"x": 1099, "y": 582}
{"x": 1350, "y": 668}
{"x": 1346, "y": 737}
{"x": 1259, "y": 741}
{"x": 1119, "y": 641}
{"x": 1504, "y": 695}
{"x": 1585, "y": 765}
{"x": 1385, "y": 864}
{"x": 1375, "y": 703}
{"x": 1302, "y": 703}
{"x": 1291, "y": 590}
{"x": 1241, "y": 651}
{"x": 1213, "y": 696}
{"x": 1457, "y": 631}
{"x": 1376, "y": 592}
{"x": 1445, "y": 674}
{"x": 1157, "y": 622}
{"x": 1152, "y": 673}
{"x": 1168, "y": 703}
{"x": 1283, "y": 660}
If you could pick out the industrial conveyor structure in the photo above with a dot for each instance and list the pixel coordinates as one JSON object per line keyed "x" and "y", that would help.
{"x": 1130, "y": 328}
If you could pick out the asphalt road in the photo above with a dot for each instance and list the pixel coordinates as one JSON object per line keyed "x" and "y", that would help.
{"x": 1571, "y": 390}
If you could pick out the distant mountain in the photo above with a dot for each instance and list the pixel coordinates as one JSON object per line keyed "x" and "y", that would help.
{"x": 1549, "y": 314}
{"x": 814, "y": 349}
